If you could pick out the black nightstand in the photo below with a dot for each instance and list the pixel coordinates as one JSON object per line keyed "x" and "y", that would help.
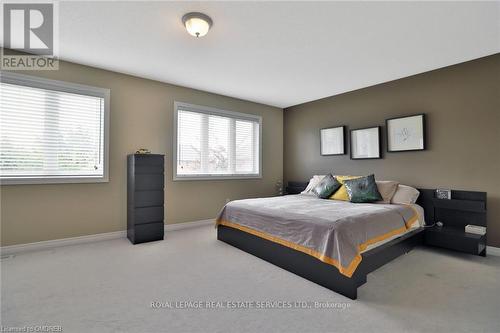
{"x": 465, "y": 207}
{"x": 456, "y": 239}
{"x": 295, "y": 187}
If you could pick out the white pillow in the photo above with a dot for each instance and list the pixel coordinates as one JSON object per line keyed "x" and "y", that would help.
{"x": 405, "y": 195}
{"x": 312, "y": 184}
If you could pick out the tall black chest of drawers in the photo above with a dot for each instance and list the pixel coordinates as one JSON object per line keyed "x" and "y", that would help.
{"x": 145, "y": 185}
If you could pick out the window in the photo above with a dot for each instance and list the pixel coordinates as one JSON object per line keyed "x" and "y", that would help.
{"x": 215, "y": 144}
{"x": 52, "y": 131}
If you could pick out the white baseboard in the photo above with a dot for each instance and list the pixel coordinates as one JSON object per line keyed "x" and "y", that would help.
{"x": 186, "y": 225}
{"x": 44, "y": 245}
{"x": 493, "y": 251}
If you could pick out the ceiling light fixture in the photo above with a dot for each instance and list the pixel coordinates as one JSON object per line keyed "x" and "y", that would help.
{"x": 197, "y": 24}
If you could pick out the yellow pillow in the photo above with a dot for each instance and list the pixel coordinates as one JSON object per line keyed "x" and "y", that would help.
{"x": 341, "y": 193}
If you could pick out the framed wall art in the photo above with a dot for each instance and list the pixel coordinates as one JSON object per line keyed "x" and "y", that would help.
{"x": 332, "y": 141}
{"x": 365, "y": 143}
{"x": 406, "y": 133}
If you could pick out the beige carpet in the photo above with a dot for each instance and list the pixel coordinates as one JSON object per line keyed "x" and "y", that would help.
{"x": 109, "y": 287}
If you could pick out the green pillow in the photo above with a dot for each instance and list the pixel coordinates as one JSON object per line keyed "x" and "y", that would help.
{"x": 326, "y": 187}
{"x": 362, "y": 189}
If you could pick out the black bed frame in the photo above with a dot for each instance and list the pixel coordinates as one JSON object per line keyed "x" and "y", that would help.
{"x": 316, "y": 271}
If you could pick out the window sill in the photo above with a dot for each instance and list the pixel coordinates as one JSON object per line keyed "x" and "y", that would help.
{"x": 216, "y": 177}
{"x": 53, "y": 180}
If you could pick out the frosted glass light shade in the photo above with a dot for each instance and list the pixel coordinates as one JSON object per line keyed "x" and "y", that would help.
{"x": 197, "y": 24}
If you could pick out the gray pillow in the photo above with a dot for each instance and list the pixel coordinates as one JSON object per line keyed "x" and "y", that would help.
{"x": 386, "y": 188}
{"x": 326, "y": 187}
{"x": 362, "y": 189}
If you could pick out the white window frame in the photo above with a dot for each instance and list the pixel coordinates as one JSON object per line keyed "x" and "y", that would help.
{"x": 42, "y": 83}
{"x": 213, "y": 111}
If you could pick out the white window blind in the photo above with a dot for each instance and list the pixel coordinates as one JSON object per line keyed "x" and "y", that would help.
{"x": 51, "y": 131}
{"x": 212, "y": 143}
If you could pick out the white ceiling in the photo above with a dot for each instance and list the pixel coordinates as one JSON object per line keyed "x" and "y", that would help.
{"x": 279, "y": 53}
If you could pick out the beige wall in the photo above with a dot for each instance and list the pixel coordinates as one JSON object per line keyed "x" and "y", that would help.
{"x": 462, "y": 104}
{"x": 141, "y": 116}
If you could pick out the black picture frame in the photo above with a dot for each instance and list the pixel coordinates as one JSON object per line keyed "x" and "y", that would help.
{"x": 344, "y": 147}
{"x": 379, "y": 131}
{"x": 423, "y": 134}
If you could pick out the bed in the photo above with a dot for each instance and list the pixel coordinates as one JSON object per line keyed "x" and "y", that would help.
{"x": 332, "y": 243}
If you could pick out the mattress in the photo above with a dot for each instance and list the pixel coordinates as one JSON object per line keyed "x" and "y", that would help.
{"x": 335, "y": 232}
